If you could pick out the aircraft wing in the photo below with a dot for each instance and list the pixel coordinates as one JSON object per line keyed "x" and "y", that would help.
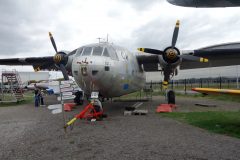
{"x": 218, "y": 55}
{"x": 148, "y": 62}
{"x": 217, "y": 91}
{"x": 205, "y": 3}
{"x": 38, "y": 63}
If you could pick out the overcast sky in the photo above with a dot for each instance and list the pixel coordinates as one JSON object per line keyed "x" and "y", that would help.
{"x": 25, "y": 25}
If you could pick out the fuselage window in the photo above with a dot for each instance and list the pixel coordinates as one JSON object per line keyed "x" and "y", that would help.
{"x": 105, "y": 53}
{"x": 79, "y": 51}
{"x": 124, "y": 55}
{"x": 112, "y": 53}
{"x": 87, "y": 51}
{"x": 97, "y": 51}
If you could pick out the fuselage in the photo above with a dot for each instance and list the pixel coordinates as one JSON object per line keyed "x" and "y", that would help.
{"x": 109, "y": 69}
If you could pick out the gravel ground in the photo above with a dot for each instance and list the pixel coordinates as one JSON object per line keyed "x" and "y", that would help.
{"x": 34, "y": 133}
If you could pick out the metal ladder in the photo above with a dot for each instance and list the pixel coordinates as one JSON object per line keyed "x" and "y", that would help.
{"x": 12, "y": 90}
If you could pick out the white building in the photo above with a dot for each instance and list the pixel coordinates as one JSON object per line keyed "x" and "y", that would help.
{"x": 37, "y": 76}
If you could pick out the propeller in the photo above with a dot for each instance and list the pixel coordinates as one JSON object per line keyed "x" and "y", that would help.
{"x": 59, "y": 58}
{"x": 172, "y": 55}
{"x": 175, "y": 34}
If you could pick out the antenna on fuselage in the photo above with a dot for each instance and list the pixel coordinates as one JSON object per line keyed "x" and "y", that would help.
{"x": 99, "y": 39}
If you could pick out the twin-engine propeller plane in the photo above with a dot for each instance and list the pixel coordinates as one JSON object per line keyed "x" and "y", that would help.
{"x": 113, "y": 71}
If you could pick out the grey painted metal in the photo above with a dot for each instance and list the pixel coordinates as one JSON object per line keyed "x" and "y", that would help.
{"x": 124, "y": 75}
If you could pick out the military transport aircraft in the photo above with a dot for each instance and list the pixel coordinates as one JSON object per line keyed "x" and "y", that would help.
{"x": 113, "y": 71}
{"x": 205, "y": 3}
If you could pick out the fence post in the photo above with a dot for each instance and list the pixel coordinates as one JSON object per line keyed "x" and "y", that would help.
{"x": 185, "y": 86}
{"x": 220, "y": 82}
{"x": 161, "y": 85}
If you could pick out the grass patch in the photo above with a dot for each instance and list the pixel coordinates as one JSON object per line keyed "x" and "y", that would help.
{"x": 231, "y": 98}
{"x": 221, "y": 97}
{"x": 28, "y": 98}
{"x": 227, "y": 123}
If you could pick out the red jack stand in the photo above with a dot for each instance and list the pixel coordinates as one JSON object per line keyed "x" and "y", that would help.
{"x": 89, "y": 112}
{"x": 163, "y": 108}
{"x": 69, "y": 106}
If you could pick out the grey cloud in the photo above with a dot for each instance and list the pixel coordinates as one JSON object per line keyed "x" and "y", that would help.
{"x": 21, "y": 21}
{"x": 141, "y": 4}
{"x": 196, "y": 30}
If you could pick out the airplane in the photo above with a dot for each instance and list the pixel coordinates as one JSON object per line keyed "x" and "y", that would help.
{"x": 40, "y": 85}
{"x": 207, "y": 91}
{"x": 52, "y": 87}
{"x": 205, "y": 3}
{"x": 113, "y": 71}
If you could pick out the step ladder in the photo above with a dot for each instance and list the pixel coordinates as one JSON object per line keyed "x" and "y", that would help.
{"x": 11, "y": 87}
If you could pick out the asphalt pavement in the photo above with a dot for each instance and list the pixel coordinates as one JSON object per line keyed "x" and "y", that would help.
{"x": 34, "y": 133}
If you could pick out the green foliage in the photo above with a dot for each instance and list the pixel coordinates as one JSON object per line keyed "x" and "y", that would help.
{"x": 28, "y": 98}
{"x": 227, "y": 123}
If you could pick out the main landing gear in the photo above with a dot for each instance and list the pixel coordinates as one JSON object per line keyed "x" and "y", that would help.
{"x": 79, "y": 97}
{"x": 170, "y": 95}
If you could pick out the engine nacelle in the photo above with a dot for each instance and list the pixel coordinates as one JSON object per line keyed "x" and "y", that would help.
{"x": 165, "y": 64}
{"x": 62, "y": 57}
{"x": 170, "y": 59}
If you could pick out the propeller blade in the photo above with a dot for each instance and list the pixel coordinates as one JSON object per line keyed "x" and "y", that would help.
{"x": 64, "y": 71}
{"x": 53, "y": 42}
{"x": 175, "y": 34}
{"x": 152, "y": 51}
{"x": 193, "y": 58}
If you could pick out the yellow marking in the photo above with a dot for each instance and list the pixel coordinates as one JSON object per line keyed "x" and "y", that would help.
{"x": 177, "y": 23}
{"x": 71, "y": 121}
{"x": 165, "y": 83}
{"x": 141, "y": 49}
{"x": 213, "y": 90}
{"x": 50, "y": 34}
{"x": 203, "y": 60}
{"x": 37, "y": 69}
{"x": 57, "y": 58}
{"x": 165, "y": 86}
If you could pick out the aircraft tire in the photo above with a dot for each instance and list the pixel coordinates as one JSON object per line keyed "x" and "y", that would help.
{"x": 171, "y": 97}
{"x": 78, "y": 97}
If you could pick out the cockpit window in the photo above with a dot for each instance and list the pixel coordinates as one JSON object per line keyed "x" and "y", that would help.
{"x": 105, "y": 53}
{"x": 97, "y": 51}
{"x": 79, "y": 51}
{"x": 87, "y": 51}
{"x": 112, "y": 53}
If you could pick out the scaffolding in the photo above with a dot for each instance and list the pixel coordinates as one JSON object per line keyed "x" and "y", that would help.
{"x": 11, "y": 87}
